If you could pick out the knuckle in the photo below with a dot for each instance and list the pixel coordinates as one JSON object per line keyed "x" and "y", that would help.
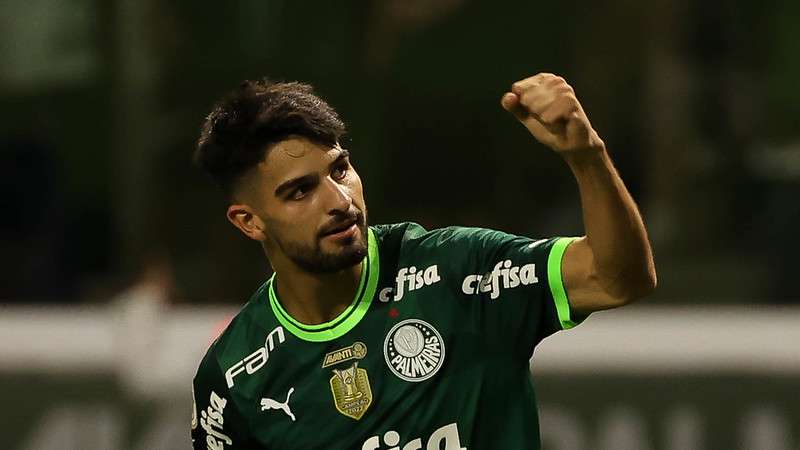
{"x": 567, "y": 90}
{"x": 570, "y": 98}
{"x": 558, "y": 83}
{"x": 527, "y": 97}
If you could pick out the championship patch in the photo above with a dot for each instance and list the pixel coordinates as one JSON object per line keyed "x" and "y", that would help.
{"x": 414, "y": 350}
{"x": 351, "y": 392}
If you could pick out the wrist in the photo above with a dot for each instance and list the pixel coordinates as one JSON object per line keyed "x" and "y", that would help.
{"x": 593, "y": 156}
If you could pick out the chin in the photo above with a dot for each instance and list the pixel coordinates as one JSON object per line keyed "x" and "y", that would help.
{"x": 355, "y": 251}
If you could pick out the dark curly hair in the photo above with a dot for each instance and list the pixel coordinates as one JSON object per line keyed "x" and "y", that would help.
{"x": 238, "y": 131}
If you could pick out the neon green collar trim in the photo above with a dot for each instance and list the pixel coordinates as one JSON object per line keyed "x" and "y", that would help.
{"x": 349, "y": 318}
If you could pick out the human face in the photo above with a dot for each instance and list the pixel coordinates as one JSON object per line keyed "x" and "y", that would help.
{"x": 310, "y": 200}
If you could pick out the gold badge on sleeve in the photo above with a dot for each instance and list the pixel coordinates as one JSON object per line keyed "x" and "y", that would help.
{"x": 351, "y": 392}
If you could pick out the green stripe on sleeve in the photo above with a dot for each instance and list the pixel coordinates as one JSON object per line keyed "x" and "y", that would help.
{"x": 557, "y": 283}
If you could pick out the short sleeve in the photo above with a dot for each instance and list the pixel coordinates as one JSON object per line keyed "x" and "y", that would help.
{"x": 513, "y": 284}
{"x": 216, "y": 423}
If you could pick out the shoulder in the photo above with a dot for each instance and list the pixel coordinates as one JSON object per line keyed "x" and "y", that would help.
{"x": 455, "y": 250}
{"x": 414, "y": 235}
{"x": 246, "y": 329}
{"x": 398, "y": 231}
{"x": 461, "y": 249}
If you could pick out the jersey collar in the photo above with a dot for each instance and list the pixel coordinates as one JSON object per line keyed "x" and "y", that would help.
{"x": 349, "y": 318}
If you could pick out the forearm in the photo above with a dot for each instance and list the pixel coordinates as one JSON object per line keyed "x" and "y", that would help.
{"x": 622, "y": 257}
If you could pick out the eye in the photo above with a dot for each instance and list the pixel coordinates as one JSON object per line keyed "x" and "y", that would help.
{"x": 340, "y": 171}
{"x": 299, "y": 193}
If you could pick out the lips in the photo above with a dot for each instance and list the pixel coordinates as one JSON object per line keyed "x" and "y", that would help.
{"x": 339, "y": 227}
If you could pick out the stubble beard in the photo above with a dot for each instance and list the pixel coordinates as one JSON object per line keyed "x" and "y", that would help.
{"x": 314, "y": 259}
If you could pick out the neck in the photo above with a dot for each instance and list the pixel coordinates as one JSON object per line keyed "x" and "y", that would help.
{"x": 315, "y": 298}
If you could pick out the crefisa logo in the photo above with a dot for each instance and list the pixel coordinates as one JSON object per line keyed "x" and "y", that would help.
{"x": 414, "y": 350}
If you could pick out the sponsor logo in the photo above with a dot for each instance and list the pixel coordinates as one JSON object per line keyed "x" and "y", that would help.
{"x": 446, "y": 438}
{"x": 503, "y": 276}
{"x": 268, "y": 403}
{"x": 256, "y": 360}
{"x": 414, "y": 350}
{"x": 352, "y": 394}
{"x": 356, "y": 351}
{"x": 410, "y": 279}
{"x": 211, "y": 421}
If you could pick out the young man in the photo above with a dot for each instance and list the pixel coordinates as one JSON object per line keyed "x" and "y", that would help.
{"x": 391, "y": 336}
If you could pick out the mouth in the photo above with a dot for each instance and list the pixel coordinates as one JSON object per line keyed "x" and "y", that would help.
{"x": 342, "y": 230}
{"x": 346, "y": 233}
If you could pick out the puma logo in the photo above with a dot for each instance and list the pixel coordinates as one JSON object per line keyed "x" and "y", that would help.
{"x": 268, "y": 403}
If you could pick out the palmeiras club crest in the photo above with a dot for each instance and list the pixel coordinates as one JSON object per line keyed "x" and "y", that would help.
{"x": 414, "y": 350}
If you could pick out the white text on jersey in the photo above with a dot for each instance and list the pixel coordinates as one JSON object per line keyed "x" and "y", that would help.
{"x": 447, "y": 435}
{"x": 503, "y": 276}
{"x": 412, "y": 279}
{"x": 256, "y": 360}
{"x": 211, "y": 420}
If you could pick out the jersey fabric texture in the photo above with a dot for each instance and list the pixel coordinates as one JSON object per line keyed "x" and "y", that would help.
{"x": 433, "y": 352}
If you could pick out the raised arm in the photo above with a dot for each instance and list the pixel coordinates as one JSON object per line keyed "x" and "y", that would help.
{"x": 613, "y": 264}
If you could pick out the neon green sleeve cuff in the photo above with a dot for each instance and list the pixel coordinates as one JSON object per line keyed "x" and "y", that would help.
{"x": 557, "y": 283}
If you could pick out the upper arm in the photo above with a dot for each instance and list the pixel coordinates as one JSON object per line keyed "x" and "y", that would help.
{"x": 584, "y": 290}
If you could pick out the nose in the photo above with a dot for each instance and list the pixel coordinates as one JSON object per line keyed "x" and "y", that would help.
{"x": 337, "y": 199}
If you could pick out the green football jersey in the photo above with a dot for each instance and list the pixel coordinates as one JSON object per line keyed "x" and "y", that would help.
{"x": 432, "y": 353}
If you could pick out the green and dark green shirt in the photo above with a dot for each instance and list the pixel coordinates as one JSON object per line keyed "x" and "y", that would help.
{"x": 432, "y": 353}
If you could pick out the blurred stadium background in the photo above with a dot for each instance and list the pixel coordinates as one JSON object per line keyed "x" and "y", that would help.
{"x": 118, "y": 266}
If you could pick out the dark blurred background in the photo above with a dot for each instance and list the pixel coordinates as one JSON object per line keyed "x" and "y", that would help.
{"x": 118, "y": 267}
{"x": 102, "y": 100}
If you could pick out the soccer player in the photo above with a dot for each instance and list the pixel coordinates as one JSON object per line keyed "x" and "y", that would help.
{"x": 392, "y": 336}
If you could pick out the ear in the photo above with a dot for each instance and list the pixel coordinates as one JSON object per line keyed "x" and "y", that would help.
{"x": 243, "y": 218}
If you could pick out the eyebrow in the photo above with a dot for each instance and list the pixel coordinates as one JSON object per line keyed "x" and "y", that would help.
{"x": 309, "y": 178}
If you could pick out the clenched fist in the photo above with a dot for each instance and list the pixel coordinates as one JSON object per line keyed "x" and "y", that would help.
{"x": 549, "y": 109}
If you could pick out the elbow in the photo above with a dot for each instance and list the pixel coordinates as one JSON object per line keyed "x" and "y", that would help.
{"x": 625, "y": 285}
{"x": 638, "y": 288}
{"x": 651, "y": 280}
{"x": 631, "y": 289}
{"x": 647, "y": 286}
